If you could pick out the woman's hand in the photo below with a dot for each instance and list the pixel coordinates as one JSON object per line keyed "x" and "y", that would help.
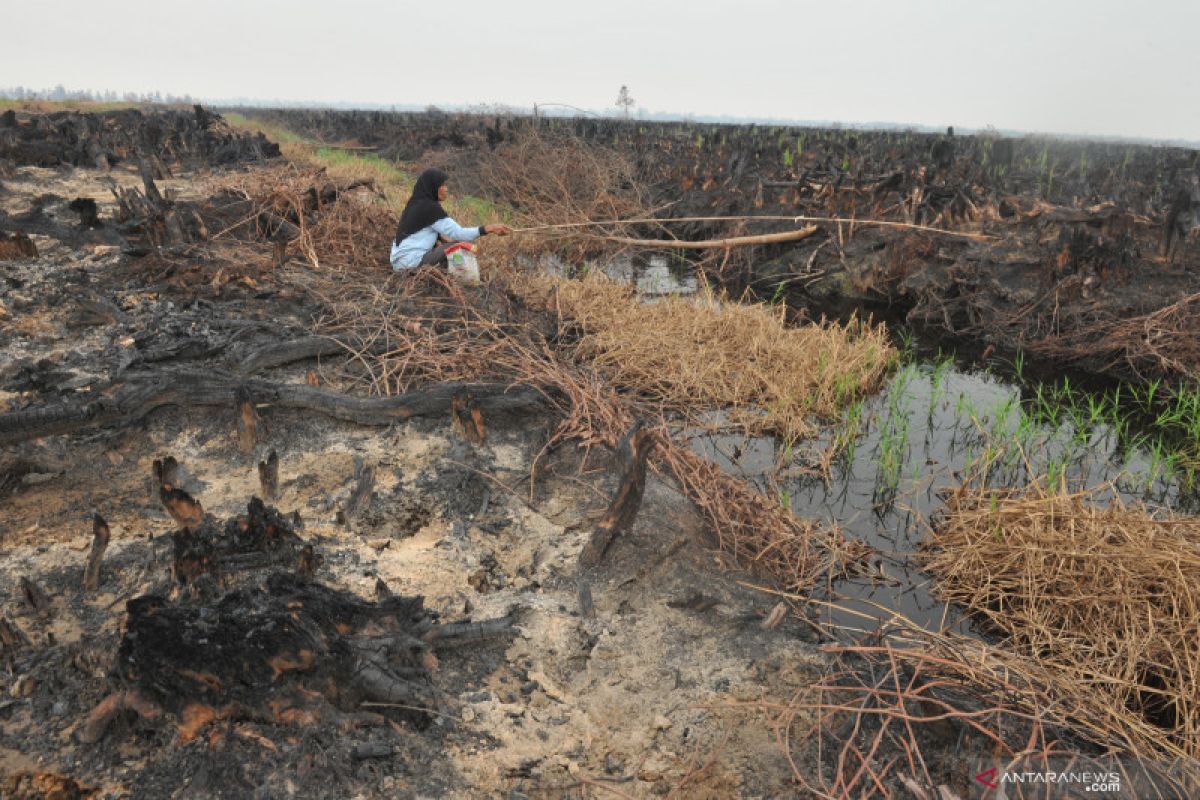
{"x": 499, "y": 228}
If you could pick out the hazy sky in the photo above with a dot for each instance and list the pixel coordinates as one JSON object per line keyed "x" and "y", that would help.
{"x": 1088, "y": 66}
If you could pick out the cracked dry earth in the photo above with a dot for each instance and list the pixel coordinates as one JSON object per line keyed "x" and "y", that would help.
{"x": 634, "y": 679}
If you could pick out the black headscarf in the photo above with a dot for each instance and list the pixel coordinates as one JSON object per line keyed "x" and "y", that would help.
{"x": 423, "y": 208}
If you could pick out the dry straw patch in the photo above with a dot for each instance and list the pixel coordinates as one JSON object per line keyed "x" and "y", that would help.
{"x": 1100, "y": 602}
{"x": 697, "y": 355}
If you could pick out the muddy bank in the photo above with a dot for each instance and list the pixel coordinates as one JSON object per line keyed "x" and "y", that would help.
{"x": 1079, "y": 245}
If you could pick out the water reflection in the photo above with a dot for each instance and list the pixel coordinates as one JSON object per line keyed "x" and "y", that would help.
{"x": 926, "y": 433}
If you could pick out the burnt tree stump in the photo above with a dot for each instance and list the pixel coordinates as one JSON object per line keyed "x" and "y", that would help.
{"x": 632, "y": 452}
{"x": 268, "y": 477}
{"x": 100, "y": 537}
{"x": 289, "y": 651}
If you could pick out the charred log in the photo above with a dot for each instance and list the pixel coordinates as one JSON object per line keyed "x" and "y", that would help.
{"x": 279, "y": 354}
{"x": 132, "y": 399}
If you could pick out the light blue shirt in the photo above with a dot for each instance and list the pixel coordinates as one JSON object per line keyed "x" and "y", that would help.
{"x": 408, "y": 253}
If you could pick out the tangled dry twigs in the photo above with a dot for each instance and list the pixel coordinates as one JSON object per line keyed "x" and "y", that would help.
{"x": 1163, "y": 342}
{"x": 553, "y": 179}
{"x": 333, "y": 225}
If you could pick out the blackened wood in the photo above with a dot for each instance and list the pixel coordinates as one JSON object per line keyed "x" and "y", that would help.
{"x": 35, "y": 597}
{"x": 587, "y": 607}
{"x": 100, "y": 537}
{"x": 367, "y": 750}
{"x": 279, "y": 637}
{"x": 98, "y": 721}
{"x": 247, "y": 422}
{"x": 632, "y": 452}
{"x": 364, "y": 484}
{"x": 166, "y": 472}
{"x": 261, "y": 538}
{"x": 12, "y": 638}
{"x": 148, "y": 186}
{"x": 468, "y": 419}
{"x": 18, "y": 245}
{"x": 280, "y": 353}
{"x": 88, "y": 211}
{"x": 130, "y": 400}
{"x": 268, "y": 477}
{"x": 460, "y": 633}
{"x": 308, "y": 563}
{"x": 183, "y": 508}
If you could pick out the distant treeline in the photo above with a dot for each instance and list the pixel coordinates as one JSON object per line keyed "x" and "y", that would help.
{"x": 61, "y": 94}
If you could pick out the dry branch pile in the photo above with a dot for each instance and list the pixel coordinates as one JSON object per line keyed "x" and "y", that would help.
{"x": 334, "y": 226}
{"x": 553, "y": 179}
{"x": 1162, "y": 342}
{"x": 1101, "y": 604}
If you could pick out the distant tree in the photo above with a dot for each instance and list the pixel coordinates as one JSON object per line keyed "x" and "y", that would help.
{"x": 624, "y": 101}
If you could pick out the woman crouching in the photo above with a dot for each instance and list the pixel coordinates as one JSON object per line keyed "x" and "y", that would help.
{"x": 425, "y": 228}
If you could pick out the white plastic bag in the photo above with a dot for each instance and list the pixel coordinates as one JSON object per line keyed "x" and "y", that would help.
{"x": 462, "y": 264}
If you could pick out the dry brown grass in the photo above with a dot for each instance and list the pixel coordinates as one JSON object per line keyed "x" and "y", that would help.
{"x": 708, "y": 354}
{"x": 1099, "y": 601}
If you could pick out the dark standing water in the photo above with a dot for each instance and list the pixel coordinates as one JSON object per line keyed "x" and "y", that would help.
{"x": 929, "y": 430}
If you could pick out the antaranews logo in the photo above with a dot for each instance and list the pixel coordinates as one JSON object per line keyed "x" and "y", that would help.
{"x": 988, "y": 778}
{"x": 1011, "y": 781}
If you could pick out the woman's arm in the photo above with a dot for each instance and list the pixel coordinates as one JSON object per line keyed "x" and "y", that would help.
{"x": 447, "y": 228}
{"x": 450, "y": 229}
